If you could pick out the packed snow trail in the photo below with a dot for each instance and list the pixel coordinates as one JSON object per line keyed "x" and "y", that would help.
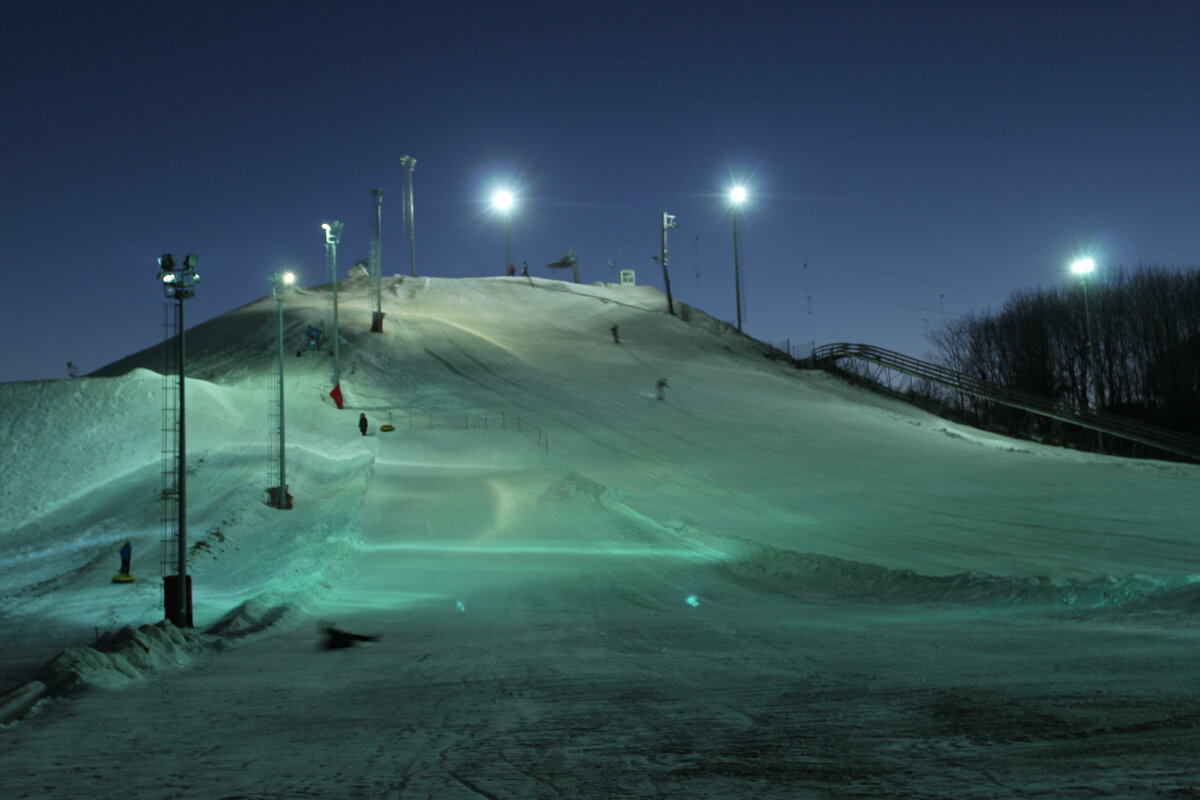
{"x": 547, "y": 649}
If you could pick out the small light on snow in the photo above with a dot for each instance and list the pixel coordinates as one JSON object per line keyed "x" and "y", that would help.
{"x": 459, "y": 605}
{"x": 693, "y": 601}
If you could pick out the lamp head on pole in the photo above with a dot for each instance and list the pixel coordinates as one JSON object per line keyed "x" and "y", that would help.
{"x": 1083, "y": 266}
{"x": 502, "y": 200}
{"x": 738, "y": 195}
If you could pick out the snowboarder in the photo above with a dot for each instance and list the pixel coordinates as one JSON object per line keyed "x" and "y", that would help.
{"x": 512, "y": 271}
{"x": 524, "y": 269}
{"x": 126, "y": 554}
{"x": 337, "y": 639}
{"x": 362, "y": 424}
{"x": 616, "y": 335}
{"x": 661, "y": 388}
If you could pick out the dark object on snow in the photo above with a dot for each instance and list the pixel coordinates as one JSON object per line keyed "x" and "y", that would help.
{"x": 337, "y": 639}
{"x": 314, "y": 337}
{"x": 524, "y": 269}
{"x": 362, "y": 424}
{"x": 661, "y": 388}
{"x": 616, "y": 335}
{"x": 126, "y": 554}
{"x": 512, "y": 271}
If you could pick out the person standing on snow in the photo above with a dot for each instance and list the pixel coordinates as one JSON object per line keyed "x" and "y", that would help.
{"x": 512, "y": 271}
{"x": 126, "y": 554}
{"x": 661, "y": 388}
{"x": 616, "y": 335}
{"x": 524, "y": 269}
{"x": 362, "y": 424}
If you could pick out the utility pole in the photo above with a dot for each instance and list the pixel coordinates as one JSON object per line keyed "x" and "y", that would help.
{"x": 377, "y": 262}
{"x": 333, "y": 235}
{"x": 668, "y": 222}
{"x": 179, "y": 284}
{"x": 409, "y": 163}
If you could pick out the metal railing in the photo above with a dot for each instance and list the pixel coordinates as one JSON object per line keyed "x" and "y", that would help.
{"x": 1160, "y": 438}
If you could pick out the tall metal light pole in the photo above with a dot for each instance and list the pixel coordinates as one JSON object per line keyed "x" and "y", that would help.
{"x": 333, "y": 235}
{"x": 279, "y": 283}
{"x": 179, "y": 283}
{"x": 1084, "y": 267}
{"x": 377, "y": 261}
{"x": 409, "y": 163}
{"x": 668, "y": 222}
{"x": 502, "y": 201}
{"x": 738, "y": 196}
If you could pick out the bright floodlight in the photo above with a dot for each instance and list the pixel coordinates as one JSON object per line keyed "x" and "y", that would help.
{"x": 502, "y": 200}
{"x": 325, "y": 225}
{"x": 1083, "y": 266}
{"x": 289, "y": 277}
{"x": 738, "y": 194}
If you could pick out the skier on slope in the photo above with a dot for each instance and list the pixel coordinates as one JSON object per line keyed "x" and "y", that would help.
{"x": 362, "y": 424}
{"x": 616, "y": 334}
{"x": 661, "y": 388}
{"x": 126, "y": 554}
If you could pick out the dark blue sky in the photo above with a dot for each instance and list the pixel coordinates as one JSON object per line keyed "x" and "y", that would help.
{"x": 923, "y": 159}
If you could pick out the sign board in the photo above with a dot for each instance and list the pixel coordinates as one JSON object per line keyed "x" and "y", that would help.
{"x": 627, "y": 277}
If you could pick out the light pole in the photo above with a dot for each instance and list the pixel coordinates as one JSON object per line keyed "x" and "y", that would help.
{"x": 737, "y": 196}
{"x": 502, "y": 201}
{"x": 409, "y": 163}
{"x": 333, "y": 235}
{"x": 377, "y": 261}
{"x": 179, "y": 284}
{"x": 668, "y": 222}
{"x": 1084, "y": 267}
{"x": 279, "y": 283}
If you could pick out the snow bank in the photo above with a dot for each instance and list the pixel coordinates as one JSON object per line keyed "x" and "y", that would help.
{"x": 811, "y": 574}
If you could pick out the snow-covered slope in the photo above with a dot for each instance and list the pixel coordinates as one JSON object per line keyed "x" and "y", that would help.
{"x": 538, "y": 510}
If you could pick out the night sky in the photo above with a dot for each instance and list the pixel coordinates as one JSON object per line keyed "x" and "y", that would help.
{"x": 907, "y": 162}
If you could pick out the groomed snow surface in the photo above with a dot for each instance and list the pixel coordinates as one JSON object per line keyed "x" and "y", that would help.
{"x": 768, "y": 584}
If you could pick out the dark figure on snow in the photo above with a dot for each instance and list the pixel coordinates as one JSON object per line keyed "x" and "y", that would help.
{"x": 512, "y": 271}
{"x": 616, "y": 335}
{"x": 336, "y": 639}
{"x": 362, "y": 424}
{"x": 524, "y": 269}
{"x": 126, "y": 554}
{"x": 661, "y": 388}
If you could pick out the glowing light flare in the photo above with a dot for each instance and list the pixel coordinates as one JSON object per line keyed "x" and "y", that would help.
{"x": 289, "y": 278}
{"x": 738, "y": 194}
{"x": 693, "y": 601}
{"x": 1083, "y": 266}
{"x": 502, "y": 200}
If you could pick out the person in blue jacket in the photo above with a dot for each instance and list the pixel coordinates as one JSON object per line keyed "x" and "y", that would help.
{"x": 126, "y": 555}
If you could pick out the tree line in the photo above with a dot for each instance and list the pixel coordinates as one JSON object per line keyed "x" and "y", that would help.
{"x": 1145, "y": 326}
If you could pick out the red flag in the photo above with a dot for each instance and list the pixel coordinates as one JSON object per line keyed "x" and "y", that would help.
{"x": 336, "y": 394}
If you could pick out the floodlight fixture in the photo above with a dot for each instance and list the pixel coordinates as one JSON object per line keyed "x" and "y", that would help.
{"x": 289, "y": 277}
{"x": 738, "y": 194}
{"x": 1083, "y": 266}
{"x": 502, "y": 200}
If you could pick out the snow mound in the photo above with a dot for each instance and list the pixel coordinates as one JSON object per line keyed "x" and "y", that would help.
{"x": 120, "y": 659}
{"x": 810, "y": 573}
{"x": 254, "y": 616}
